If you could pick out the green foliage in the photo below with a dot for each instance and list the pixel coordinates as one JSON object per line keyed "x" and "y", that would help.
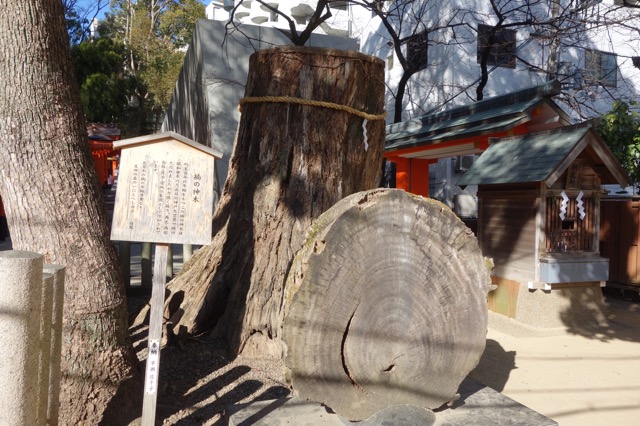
{"x": 620, "y": 128}
{"x": 179, "y": 21}
{"x": 103, "y": 55}
{"x": 109, "y": 26}
{"x": 151, "y": 36}
{"x": 103, "y": 84}
{"x": 160, "y": 76}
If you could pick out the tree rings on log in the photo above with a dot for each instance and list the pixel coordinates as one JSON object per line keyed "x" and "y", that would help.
{"x": 292, "y": 160}
{"x": 385, "y": 305}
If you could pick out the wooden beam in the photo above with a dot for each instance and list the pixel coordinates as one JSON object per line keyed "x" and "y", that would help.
{"x": 154, "y": 340}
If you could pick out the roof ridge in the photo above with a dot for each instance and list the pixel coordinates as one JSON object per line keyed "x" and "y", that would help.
{"x": 564, "y": 129}
{"x": 545, "y": 90}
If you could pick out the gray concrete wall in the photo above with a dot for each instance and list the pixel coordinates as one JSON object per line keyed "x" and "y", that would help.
{"x": 204, "y": 105}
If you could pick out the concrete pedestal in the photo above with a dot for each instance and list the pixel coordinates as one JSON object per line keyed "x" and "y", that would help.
{"x": 44, "y": 347}
{"x": 20, "y": 306}
{"x": 57, "y": 291}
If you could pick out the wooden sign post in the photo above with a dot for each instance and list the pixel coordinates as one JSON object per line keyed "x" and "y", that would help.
{"x": 164, "y": 196}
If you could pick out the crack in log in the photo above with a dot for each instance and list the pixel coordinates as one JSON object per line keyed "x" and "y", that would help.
{"x": 342, "y": 351}
{"x": 393, "y": 365}
{"x": 389, "y": 369}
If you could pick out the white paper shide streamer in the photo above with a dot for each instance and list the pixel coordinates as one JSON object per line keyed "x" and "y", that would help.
{"x": 563, "y": 205}
{"x": 364, "y": 134}
{"x": 580, "y": 206}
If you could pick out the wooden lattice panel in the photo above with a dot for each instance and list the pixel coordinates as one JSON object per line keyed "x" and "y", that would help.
{"x": 573, "y": 233}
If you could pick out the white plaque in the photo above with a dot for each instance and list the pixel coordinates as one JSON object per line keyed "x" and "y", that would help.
{"x": 164, "y": 193}
{"x": 153, "y": 368}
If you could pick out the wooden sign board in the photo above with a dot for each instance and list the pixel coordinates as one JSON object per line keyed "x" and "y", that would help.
{"x": 165, "y": 190}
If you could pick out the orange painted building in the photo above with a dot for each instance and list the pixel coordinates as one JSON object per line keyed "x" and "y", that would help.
{"x": 101, "y": 137}
{"x": 538, "y": 196}
{"x": 415, "y": 144}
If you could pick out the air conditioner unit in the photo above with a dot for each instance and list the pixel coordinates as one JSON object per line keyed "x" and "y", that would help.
{"x": 464, "y": 162}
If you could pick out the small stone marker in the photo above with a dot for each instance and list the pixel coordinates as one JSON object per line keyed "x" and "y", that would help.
{"x": 164, "y": 196}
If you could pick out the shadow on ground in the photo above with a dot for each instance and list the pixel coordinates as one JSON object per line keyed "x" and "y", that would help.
{"x": 198, "y": 380}
{"x": 495, "y": 366}
{"x": 621, "y": 312}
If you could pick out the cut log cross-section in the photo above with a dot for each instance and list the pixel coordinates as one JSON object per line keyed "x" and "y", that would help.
{"x": 300, "y": 148}
{"x": 386, "y": 305}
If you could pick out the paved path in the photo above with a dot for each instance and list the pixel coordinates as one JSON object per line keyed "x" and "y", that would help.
{"x": 586, "y": 378}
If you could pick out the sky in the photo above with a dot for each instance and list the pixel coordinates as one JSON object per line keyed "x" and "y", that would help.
{"x": 91, "y": 6}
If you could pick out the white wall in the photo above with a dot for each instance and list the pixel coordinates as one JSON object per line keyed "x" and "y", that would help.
{"x": 451, "y": 77}
{"x": 452, "y": 73}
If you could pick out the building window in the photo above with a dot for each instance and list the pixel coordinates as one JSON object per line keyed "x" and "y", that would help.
{"x": 417, "y": 51}
{"x": 503, "y": 48}
{"x": 390, "y": 61}
{"x": 601, "y": 67}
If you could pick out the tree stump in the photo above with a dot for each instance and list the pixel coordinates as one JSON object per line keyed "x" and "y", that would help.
{"x": 300, "y": 148}
{"x": 386, "y": 305}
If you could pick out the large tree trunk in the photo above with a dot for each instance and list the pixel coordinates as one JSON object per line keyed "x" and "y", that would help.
{"x": 386, "y": 304}
{"x": 291, "y": 162}
{"x": 54, "y": 207}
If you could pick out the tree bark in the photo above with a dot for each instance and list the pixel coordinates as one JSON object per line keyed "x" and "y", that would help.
{"x": 387, "y": 305}
{"x": 290, "y": 163}
{"x": 54, "y": 206}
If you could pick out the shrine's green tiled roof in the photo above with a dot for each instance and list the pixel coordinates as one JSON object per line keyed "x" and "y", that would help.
{"x": 529, "y": 158}
{"x": 489, "y": 116}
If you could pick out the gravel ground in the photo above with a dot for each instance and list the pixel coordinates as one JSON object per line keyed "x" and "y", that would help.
{"x": 198, "y": 380}
{"x": 573, "y": 379}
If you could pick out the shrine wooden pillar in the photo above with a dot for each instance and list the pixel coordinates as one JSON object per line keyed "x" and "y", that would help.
{"x": 412, "y": 174}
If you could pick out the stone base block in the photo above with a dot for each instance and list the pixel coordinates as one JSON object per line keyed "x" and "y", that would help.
{"x": 478, "y": 405}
